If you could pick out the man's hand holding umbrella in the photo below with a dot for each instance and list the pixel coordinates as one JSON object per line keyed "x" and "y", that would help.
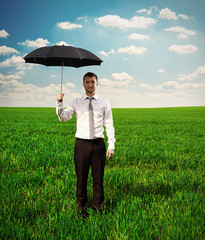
{"x": 60, "y": 97}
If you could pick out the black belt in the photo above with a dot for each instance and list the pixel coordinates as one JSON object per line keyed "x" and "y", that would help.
{"x": 90, "y": 140}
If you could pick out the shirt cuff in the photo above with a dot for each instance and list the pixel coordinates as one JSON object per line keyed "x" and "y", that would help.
{"x": 59, "y": 105}
{"x": 111, "y": 145}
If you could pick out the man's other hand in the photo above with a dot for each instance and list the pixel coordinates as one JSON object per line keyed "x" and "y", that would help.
{"x": 110, "y": 153}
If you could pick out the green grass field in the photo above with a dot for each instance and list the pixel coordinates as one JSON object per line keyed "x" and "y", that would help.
{"x": 154, "y": 185}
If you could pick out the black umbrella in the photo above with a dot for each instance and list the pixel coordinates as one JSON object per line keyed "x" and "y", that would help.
{"x": 62, "y": 56}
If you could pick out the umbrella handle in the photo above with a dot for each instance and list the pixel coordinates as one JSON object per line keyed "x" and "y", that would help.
{"x": 62, "y": 77}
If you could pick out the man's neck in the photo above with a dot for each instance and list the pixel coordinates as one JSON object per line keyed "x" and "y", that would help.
{"x": 90, "y": 94}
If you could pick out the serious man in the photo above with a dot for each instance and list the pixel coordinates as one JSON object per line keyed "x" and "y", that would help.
{"x": 92, "y": 114}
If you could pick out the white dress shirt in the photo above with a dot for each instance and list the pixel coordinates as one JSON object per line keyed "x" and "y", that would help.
{"x": 102, "y": 117}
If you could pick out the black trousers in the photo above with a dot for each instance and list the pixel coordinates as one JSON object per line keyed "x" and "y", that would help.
{"x": 90, "y": 153}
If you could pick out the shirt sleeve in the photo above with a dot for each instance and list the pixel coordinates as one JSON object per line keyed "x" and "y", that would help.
{"x": 108, "y": 123}
{"x": 64, "y": 114}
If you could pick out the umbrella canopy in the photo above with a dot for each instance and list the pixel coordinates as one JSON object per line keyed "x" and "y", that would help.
{"x": 62, "y": 56}
{"x": 56, "y": 55}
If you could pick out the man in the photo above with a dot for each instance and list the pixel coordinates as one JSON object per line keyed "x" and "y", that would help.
{"x": 92, "y": 114}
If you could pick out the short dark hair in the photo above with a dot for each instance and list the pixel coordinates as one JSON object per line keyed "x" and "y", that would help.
{"x": 90, "y": 74}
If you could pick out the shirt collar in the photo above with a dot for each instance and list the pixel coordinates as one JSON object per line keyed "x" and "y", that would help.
{"x": 95, "y": 96}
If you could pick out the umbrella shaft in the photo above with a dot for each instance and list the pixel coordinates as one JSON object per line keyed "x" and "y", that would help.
{"x": 62, "y": 78}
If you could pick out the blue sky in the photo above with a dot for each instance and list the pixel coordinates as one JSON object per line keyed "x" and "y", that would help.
{"x": 153, "y": 51}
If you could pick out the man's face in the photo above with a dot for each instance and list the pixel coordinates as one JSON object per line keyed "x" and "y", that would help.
{"x": 90, "y": 84}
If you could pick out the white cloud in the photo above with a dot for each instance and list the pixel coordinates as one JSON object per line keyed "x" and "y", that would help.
{"x": 22, "y": 72}
{"x": 174, "y": 85}
{"x": 70, "y": 85}
{"x": 68, "y": 25}
{"x": 4, "y": 50}
{"x": 13, "y": 61}
{"x": 136, "y": 36}
{"x": 149, "y": 12}
{"x": 161, "y": 70}
{"x": 184, "y": 33}
{"x": 122, "y": 76}
{"x": 15, "y": 93}
{"x": 23, "y": 67}
{"x": 145, "y": 85}
{"x": 61, "y": 43}
{"x": 181, "y": 29}
{"x": 198, "y": 73}
{"x": 113, "y": 92}
{"x": 172, "y": 98}
{"x": 105, "y": 82}
{"x": 3, "y": 34}
{"x": 132, "y": 50}
{"x": 184, "y": 16}
{"x": 182, "y": 36}
{"x": 122, "y": 23}
{"x": 54, "y": 76}
{"x": 85, "y": 19}
{"x": 103, "y": 53}
{"x": 120, "y": 81}
{"x": 168, "y": 94}
{"x": 183, "y": 49}
{"x": 142, "y": 10}
{"x": 200, "y": 85}
{"x": 40, "y": 42}
{"x": 112, "y": 51}
{"x": 166, "y": 13}
{"x": 8, "y": 77}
